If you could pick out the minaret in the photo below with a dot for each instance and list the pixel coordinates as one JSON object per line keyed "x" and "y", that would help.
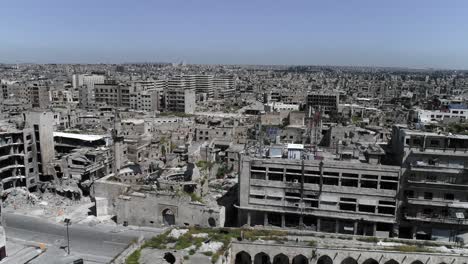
{"x": 117, "y": 140}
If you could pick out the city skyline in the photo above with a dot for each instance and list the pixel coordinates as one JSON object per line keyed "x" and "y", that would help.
{"x": 419, "y": 34}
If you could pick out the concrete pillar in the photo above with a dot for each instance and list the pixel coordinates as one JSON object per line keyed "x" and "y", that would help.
{"x": 374, "y": 229}
{"x": 355, "y": 227}
{"x": 248, "y": 218}
{"x": 318, "y": 224}
{"x": 265, "y": 219}
{"x": 337, "y": 226}
{"x": 413, "y": 232}
{"x": 301, "y": 220}
{"x": 283, "y": 221}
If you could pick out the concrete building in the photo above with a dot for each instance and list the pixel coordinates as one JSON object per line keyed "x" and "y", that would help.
{"x": 435, "y": 183}
{"x": 428, "y": 116}
{"x": 148, "y": 100}
{"x": 18, "y": 162}
{"x": 61, "y": 98}
{"x": 325, "y": 102}
{"x": 42, "y": 125}
{"x": 40, "y": 95}
{"x": 329, "y": 196}
{"x": 86, "y": 79}
{"x": 85, "y": 84}
{"x": 113, "y": 94}
{"x": 180, "y": 96}
{"x": 223, "y": 87}
{"x": 203, "y": 84}
{"x": 278, "y": 107}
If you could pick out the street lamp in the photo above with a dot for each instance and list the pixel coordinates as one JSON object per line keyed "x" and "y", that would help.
{"x": 68, "y": 223}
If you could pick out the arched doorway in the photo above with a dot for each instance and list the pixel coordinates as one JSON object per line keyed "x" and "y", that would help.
{"x": 349, "y": 260}
{"x": 169, "y": 258}
{"x": 325, "y": 260}
{"x": 300, "y": 259}
{"x": 243, "y": 258}
{"x": 281, "y": 259}
{"x": 370, "y": 261}
{"x": 262, "y": 258}
{"x": 168, "y": 217}
{"x": 417, "y": 262}
{"x": 392, "y": 261}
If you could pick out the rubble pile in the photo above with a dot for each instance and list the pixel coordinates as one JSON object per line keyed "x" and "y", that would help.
{"x": 40, "y": 203}
{"x": 19, "y": 197}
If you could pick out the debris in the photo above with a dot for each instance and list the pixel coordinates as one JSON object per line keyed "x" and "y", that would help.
{"x": 176, "y": 233}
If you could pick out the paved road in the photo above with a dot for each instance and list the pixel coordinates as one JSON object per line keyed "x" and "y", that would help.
{"x": 95, "y": 244}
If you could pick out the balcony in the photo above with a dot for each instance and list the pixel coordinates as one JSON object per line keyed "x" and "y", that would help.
{"x": 457, "y": 180}
{"x": 438, "y": 203}
{"x": 439, "y": 151}
{"x": 436, "y": 219}
{"x": 11, "y": 167}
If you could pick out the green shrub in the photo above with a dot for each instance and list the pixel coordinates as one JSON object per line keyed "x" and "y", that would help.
{"x": 134, "y": 257}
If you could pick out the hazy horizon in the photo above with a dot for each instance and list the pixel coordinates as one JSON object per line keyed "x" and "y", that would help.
{"x": 400, "y": 34}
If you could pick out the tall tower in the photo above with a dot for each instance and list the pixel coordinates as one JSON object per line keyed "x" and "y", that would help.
{"x": 117, "y": 144}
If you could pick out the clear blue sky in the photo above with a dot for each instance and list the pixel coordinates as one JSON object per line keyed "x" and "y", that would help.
{"x": 410, "y": 33}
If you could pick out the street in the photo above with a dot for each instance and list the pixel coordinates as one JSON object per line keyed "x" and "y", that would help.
{"x": 98, "y": 244}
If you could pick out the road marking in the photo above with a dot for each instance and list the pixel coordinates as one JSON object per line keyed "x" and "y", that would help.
{"x": 115, "y": 243}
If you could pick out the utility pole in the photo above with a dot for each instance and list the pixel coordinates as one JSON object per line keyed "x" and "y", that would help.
{"x": 68, "y": 223}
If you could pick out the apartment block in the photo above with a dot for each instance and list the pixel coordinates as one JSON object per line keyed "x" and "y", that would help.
{"x": 113, "y": 94}
{"x": 325, "y": 102}
{"x": 320, "y": 195}
{"x": 435, "y": 173}
{"x": 40, "y": 95}
{"x": 180, "y": 96}
{"x": 18, "y": 161}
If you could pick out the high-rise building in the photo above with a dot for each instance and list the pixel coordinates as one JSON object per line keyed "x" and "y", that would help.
{"x": 41, "y": 123}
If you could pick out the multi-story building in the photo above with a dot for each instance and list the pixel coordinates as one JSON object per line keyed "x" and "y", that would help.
{"x": 42, "y": 126}
{"x": 18, "y": 162}
{"x": 435, "y": 183}
{"x": 223, "y": 87}
{"x": 180, "y": 96}
{"x": 147, "y": 100}
{"x": 61, "y": 98}
{"x": 346, "y": 196}
{"x": 112, "y": 93}
{"x": 86, "y": 79}
{"x": 40, "y": 95}
{"x": 85, "y": 84}
{"x": 326, "y": 103}
{"x": 207, "y": 133}
{"x": 428, "y": 116}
